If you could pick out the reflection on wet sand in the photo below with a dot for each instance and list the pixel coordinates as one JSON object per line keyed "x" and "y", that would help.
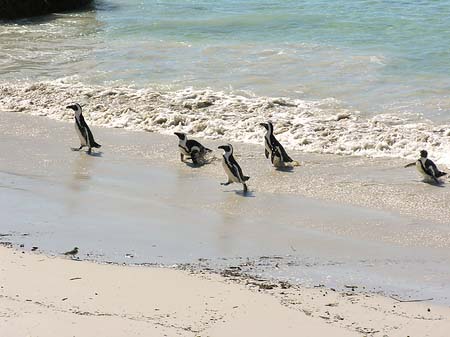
{"x": 78, "y": 181}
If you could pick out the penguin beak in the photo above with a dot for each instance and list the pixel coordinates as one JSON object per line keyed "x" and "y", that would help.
{"x": 221, "y": 147}
{"x": 70, "y": 107}
{"x": 266, "y": 126}
{"x": 178, "y": 134}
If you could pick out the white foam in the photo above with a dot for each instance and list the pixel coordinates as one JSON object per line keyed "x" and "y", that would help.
{"x": 322, "y": 126}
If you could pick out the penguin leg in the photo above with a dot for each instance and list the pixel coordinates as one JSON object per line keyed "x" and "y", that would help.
{"x": 182, "y": 157}
{"x": 89, "y": 150}
{"x": 245, "y": 188}
{"x": 195, "y": 156}
{"x": 77, "y": 149}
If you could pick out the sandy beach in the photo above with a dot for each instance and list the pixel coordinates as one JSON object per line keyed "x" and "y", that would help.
{"x": 43, "y": 296}
{"x": 295, "y": 255}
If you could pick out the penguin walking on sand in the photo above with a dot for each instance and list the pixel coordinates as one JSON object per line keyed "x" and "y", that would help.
{"x": 83, "y": 131}
{"x": 191, "y": 149}
{"x": 427, "y": 168}
{"x": 232, "y": 168}
{"x": 274, "y": 150}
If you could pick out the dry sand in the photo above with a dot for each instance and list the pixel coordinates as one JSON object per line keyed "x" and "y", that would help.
{"x": 55, "y": 297}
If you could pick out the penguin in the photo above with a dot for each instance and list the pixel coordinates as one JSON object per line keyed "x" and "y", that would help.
{"x": 83, "y": 131}
{"x": 270, "y": 143}
{"x": 427, "y": 168}
{"x": 191, "y": 148}
{"x": 232, "y": 168}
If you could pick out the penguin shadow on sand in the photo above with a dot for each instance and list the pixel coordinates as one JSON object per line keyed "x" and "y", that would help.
{"x": 199, "y": 162}
{"x": 241, "y": 193}
{"x": 287, "y": 169}
{"x": 95, "y": 154}
{"x": 438, "y": 183}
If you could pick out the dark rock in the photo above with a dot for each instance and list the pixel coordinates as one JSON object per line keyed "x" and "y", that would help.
{"x": 15, "y": 9}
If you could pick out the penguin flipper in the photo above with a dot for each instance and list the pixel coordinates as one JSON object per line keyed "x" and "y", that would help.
{"x": 237, "y": 171}
{"x": 441, "y": 174}
{"x": 246, "y": 178}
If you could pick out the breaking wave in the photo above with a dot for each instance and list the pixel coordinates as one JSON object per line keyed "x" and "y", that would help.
{"x": 321, "y": 126}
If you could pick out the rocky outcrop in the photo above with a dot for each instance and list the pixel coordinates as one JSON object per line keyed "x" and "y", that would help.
{"x": 15, "y": 9}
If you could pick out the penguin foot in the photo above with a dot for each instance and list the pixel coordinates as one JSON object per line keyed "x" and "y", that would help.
{"x": 225, "y": 184}
{"x": 76, "y": 148}
{"x": 245, "y": 188}
{"x": 89, "y": 151}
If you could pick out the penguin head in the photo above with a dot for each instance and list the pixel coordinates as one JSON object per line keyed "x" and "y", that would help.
{"x": 268, "y": 126}
{"x": 180, "y": 135}
{"x": 423, "y": 154}
{"x": 75, "y": 107}
{"x": 227, "y": 148}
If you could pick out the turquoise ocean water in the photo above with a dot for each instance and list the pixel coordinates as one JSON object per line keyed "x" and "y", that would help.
{"x": 373, "y": 56}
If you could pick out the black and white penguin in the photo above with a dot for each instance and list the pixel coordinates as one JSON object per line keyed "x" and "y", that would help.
{"x": 191, "y": 148}
{"x": 427, "y": 168}
{"x": 280, "y": 158}
{"x": 232, "y": 168}
{"x": 83, "y": 131}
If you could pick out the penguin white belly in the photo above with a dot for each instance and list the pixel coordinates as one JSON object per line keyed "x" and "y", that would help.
{"x": 82, "y": 140}
{"x": 268, "y": 147}
{"x": 421, "y": 171}
{"x": 230, "y": 175}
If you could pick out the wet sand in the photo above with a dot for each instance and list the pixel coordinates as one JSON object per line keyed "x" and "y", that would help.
{"x": 333, "y": 221}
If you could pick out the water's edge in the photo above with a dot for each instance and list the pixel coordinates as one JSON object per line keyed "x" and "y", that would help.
{"x": 310, "y": 126}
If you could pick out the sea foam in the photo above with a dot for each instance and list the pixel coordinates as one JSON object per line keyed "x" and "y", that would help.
{"x": 321, "y": 126}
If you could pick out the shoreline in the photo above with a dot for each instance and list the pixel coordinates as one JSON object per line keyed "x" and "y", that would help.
{"x": 127, "y": 300}
{"x": 322, "y": 127}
